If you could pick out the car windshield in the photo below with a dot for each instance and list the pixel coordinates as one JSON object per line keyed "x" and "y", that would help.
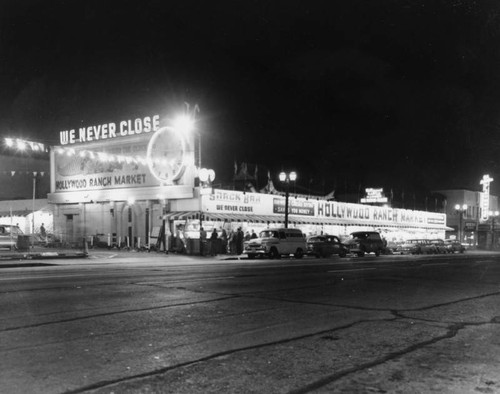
{"x": 268, "y": 234}
{"x": 7, "y": 230}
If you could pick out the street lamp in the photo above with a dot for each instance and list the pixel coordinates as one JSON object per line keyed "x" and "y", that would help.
{"x": 461, "y": 209}
{"x": 493, "y": 215}
{"x": 287, "y": 178}
{"x": 186, "y": 124}
{"x": 206, "y": 177}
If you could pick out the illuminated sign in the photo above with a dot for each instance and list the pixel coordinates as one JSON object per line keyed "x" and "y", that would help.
{"x": 485, "y": 196}
{"x": 374, "y": 196}
{"x": 166, "y": 155}
{"x": 110, "y": 130}
{"x": 123, "y": 164}
{"x": 295, "y": 207}
{"x": 334, "y": 212}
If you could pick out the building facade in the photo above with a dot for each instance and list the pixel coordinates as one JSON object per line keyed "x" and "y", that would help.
{"x": 478, "y": 225}
{"x": 131, "y": 183}
{"x": 113, "y": 182}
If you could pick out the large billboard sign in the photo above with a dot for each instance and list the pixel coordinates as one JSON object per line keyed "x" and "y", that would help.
{"x": 153, "y": 157}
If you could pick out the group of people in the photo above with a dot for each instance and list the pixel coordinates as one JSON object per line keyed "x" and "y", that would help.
{"x": 230, "y": 243}
{"x": 216, "y": 242}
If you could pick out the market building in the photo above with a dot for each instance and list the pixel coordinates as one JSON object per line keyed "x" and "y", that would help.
{"x": 113, "y": 182}
{"x": 229, "y": 210}
{"x": 131, "y": 183}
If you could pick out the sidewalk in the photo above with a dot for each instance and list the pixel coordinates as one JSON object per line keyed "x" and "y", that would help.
{"x": 43, "y": 256}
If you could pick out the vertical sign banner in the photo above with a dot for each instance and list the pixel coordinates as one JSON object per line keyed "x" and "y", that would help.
{"x": 485, "y": 197}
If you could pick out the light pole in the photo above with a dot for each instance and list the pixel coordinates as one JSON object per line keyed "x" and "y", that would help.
{"x": 493, "y": 215}
{"x": 461, "y": 209}
{"x": 287, "y": 178}
{"x": 206, "y": 177}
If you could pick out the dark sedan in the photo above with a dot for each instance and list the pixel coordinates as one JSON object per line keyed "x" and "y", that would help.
{"x": 454, "y": 246}
{"x": 325, "y": 245}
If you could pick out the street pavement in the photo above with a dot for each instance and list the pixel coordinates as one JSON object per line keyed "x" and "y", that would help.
{"x": 44, "y": 256}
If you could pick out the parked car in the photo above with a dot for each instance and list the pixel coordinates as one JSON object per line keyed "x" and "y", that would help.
{"x": 440, "y": 246}
{"x": 325, "y": 246}
{"x": 454, "y": 246}
{"x": 8, "y": 236}
{"x": 276, "y": 242}
{"x": 417, "y": 246}
{"x": 361, "y": 242}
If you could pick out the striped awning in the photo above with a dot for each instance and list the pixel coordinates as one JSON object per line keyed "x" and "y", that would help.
{"x": 20, "y": 213}
{"x": 279, "y": 219}
{"x": 181, "y": 215}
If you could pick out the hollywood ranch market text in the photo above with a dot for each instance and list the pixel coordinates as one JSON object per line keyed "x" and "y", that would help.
{"x": 101, "y": 182}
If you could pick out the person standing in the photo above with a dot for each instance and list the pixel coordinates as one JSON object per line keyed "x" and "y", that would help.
{"x": 213, "y": 243}
{"x": 203, "y": 240}
{"x": 43, "y": 233}
{"x": 239, "y": 241}
{"x": 232, "y": 242}
{"x": 223, "y": 237}
{"x": 253, "y": 235}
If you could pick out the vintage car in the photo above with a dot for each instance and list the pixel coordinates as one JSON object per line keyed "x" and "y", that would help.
{"x": 8, "y": 236}
{"x": 361, "y": 242}
{"x": 325, "y": 246}
{"x": 440, "y": 246}
{"x": 417, "y": 246}
{"x": 274, "y": 243}
{"x": 454, "y": 246}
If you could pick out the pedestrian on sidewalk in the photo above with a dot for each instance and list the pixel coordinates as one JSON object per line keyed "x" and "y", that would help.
{"x": 213, "y": 243}
{"x": 239, "y": 241}
{"x": 203, "y": 241}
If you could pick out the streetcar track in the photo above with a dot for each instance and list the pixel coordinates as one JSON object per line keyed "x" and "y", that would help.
{"x": 69, "y": 320}
{"x": 111, "y": 382}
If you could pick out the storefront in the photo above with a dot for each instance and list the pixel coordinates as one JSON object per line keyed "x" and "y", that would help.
{"x": 131, "y": 184}
{"x": 252, "y": 212}
{"x": 112, "y": 183}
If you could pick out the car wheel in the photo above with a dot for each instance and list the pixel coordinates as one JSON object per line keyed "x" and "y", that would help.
{"x": 377, "y": 252}
{"x": 361, "y": 254}
{"x": 298, "y": 254}
{"x": 273, "y": 254}
{"x": 251, "y": 256}
{"x": 342, "y": 253}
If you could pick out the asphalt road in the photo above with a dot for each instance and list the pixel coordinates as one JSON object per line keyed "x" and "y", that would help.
{"x": 147, "y": 323}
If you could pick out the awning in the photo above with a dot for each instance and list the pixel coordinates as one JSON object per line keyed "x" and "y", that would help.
{"x": 22, "y": 213}
{"x": 279, "y": 219}
{"x": 181, "y": 215}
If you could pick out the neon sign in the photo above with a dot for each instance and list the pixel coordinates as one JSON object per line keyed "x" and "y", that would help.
{"x": 485, "y": 196}
{"x": 374, "y": 196}
{"x": 110, "y": 130}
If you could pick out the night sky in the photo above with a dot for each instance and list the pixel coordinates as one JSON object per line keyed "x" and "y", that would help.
{"x": 398, "y": 94}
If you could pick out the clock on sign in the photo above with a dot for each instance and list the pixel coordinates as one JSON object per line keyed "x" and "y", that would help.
{"x": 166, "y": 155}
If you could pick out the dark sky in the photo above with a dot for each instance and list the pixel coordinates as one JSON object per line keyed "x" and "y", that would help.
{"x": 397, "y": 94}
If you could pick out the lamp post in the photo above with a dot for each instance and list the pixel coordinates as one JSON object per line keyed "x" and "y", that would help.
{"x": 461, "y": 209}
{"x": 286, "y": 178}
{"x": 493, "y": 215}
{"x": 206, "y": 177}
